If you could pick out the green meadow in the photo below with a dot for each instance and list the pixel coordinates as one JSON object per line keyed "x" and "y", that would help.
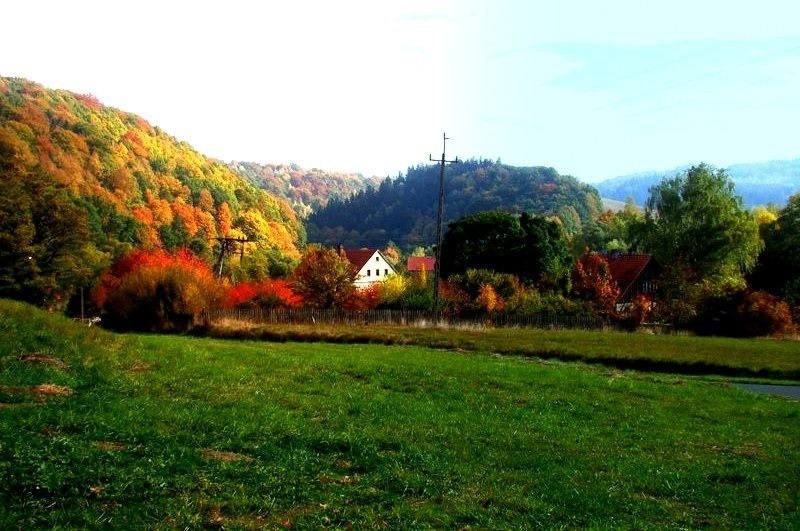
{"x": 170, "y": 432}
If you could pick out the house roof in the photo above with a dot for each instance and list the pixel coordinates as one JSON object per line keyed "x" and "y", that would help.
{"x": 626, "y": 268}
{"x": 421, "y": 263}
{"x": 359, "y": 257}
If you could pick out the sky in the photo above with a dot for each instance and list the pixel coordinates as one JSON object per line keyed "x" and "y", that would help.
{"x": 593, "y": 89}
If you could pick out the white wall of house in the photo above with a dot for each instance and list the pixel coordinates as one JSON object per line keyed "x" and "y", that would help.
{"x": 375, "y": 270}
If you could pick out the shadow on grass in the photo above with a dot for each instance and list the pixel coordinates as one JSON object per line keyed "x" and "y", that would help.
{"x": 343, "y": 336}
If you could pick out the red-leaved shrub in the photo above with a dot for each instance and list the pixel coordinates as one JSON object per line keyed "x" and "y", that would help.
{"x": 155, "y": 290}
{"x": 263, "y": 294}
{"x": 367, "y": 298}
{"x": 761, "y": 314}
{"x": 743, "y": 313}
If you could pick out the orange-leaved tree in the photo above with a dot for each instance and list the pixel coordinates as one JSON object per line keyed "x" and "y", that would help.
{"x": 156, "y": 290}
{"x": 592, "y": 282}
{"x": 325, "y": 278}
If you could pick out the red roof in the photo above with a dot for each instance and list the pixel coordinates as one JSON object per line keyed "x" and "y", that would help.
{"x": 359, "y": 257}
{"x": 421, "y": 263}
{"x": 626, "y": 268}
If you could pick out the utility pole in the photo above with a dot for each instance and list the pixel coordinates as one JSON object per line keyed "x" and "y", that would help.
{"x": 437, "y": 266}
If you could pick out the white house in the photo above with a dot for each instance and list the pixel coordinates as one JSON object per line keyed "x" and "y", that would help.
{"x": 371, "y": 265}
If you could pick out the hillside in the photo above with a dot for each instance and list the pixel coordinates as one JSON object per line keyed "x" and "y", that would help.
{"x": 82, "y": 183}
{"x": 758, "y": 183}
{"x": 306, "y": 190}
{"x": 404, "y": 210}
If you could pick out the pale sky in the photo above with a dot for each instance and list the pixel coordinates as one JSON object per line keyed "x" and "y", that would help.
{"x": 593, "y": 89}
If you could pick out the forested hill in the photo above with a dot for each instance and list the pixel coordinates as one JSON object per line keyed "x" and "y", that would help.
{"x": 81, "y": 183}
{"x": 306, "y": 190}
{"x": 404, "y": 210}
{"x": 758, "y": 183}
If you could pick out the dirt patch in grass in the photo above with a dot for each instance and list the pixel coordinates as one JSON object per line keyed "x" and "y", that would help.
{"x": 344, "y": 480}
{"x": 217, "y": 455}
{"x": 110, "y": 446}
{"x": 138, "y": 367}
{"x": 217, "y": 520}
{"x": 51, "y": 390}
{"x": 747, "y": 450}
{"x": 40, "y": 390}
{"x": 42, "y": 359}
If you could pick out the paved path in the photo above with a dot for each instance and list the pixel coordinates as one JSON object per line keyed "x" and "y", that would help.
{"x": 792, "y": 391}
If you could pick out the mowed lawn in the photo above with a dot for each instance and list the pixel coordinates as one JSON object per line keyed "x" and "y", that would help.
{"x": 103, "y": 430}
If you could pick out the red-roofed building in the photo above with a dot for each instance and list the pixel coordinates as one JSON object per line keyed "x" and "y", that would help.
{"x": 371, "y": 265}
{"x": 634, "y": 274}
{"x": 420, "y": 265}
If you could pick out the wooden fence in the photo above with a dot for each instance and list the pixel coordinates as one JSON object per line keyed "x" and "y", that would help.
{"x": 401, "y": 318}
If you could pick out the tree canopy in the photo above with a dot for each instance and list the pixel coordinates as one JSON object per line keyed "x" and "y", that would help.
{"x": 325, "y": 278}
{"x": 694, "y": 220}
{"x": 778, "y": 269}
{"x": 82, "y": 184}
{"x": 404, "y": 209}
{"x": 532, "y": 248}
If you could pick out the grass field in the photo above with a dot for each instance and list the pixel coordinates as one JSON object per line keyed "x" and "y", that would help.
{"x": 103, "y": 430}
{"x": 683, "y": 354}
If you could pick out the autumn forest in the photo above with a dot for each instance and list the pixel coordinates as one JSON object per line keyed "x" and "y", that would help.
{"x": 102, "y": 212}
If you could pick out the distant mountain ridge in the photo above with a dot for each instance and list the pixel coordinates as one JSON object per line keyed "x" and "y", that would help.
{"x": 758, "y": 183}
{"x": 306, "y": 190}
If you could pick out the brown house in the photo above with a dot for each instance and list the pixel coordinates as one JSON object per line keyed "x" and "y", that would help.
{"x": 634, "y": 274}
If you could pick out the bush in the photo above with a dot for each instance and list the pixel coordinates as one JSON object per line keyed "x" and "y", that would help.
{"x": 532, "y": 302}
{"x": 763, "y": 314}
{"x": 156, "y": 291}
{"x": 743, "y": 313}
{"x": 262, "y": 294}
{"x": 473, "y": 281}
{"x": 367, "y": 298}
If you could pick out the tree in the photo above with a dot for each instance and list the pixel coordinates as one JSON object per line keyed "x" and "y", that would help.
{"x": 611, "y": 231}
{"x": 592, "y": 282}
{"x": 532, "y": 248}
{"x": 156, "y": 291}
{"x": 489, "y": 240}
{"x": 544, "y": 254}
{"x": 778, "y": 269}
{"x": 694, "y": 220}
{"x": 325, "y": 278}
{"x": 46, "y": 254}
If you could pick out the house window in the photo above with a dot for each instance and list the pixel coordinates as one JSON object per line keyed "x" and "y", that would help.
{"x": 377, "y": 272}
{"x": 369, "y": 272}
{"x": 385, "y": 272}
{"x": 377, "y": 258}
